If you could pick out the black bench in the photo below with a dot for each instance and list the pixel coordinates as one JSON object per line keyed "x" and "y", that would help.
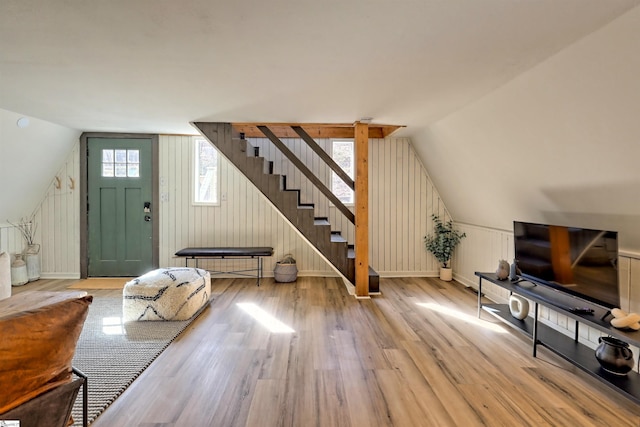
{"x": 228, "y": 253}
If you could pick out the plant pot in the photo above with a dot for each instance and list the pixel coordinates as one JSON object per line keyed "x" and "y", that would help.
{"x": 446, "y": 274}
{"x": 285, "y": 272}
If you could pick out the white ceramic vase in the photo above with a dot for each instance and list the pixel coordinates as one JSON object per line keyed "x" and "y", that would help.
{"x": 19, "y": 275}
{"x": 32, "y": 259}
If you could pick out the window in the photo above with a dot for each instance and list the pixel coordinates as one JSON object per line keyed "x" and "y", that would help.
{"x": 342, "y": 153}
{"x": 206, "y": 175}
{"x": 120, "y": 163}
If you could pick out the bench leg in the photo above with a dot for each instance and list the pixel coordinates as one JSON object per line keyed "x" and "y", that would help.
{"x": 259, "y": 269}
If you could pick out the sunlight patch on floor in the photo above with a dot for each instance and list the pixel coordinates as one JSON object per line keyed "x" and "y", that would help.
{"x": 462, "y": 316}
{"x": 112, "y": 326}
{"x": 265, "y": 319}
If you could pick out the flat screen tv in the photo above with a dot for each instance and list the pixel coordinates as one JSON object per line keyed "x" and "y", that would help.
{"x": 581, "y": 262}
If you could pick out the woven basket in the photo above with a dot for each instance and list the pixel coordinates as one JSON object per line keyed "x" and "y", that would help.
{"x": 285, "y": 272}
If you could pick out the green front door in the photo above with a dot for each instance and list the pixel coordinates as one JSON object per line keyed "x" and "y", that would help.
{"x": 120, "y": 212}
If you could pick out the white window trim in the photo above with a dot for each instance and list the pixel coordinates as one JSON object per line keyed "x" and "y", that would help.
{"x": 194, "y": 171}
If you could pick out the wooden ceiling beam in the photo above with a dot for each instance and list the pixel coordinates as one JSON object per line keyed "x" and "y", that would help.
{"x": 315, "y": 130}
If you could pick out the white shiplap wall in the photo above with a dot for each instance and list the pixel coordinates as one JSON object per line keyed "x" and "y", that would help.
{"x": 245, "y": 218}
{"x": 402, "y": 198}
{"x": 57, "y": 221}
{"x": 11, "y": 240}
{"x": 484, "y": 247}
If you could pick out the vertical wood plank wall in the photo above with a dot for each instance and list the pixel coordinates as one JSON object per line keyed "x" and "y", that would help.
{"x": 402, "y": 198}
{"x": 245, "y": 218}
{"x": 57, "y": 219}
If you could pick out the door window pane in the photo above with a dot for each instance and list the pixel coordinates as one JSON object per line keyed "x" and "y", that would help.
{"x": 107, "y": 156}
{"x": 120, "y": 163}
{"x": 121, "y": 170}
{"x": 133, "y": 156}
{"x": 121, "y": 156}
{"x": 133, "y": 171}
{"x": 133, "y": 163}
{"x": 107, "y": 170}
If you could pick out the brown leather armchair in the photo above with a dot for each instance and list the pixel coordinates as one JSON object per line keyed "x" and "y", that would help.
{"x": 39, "y": 335}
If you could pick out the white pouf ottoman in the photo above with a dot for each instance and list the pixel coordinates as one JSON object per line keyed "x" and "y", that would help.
{"x": 166, "y": 294}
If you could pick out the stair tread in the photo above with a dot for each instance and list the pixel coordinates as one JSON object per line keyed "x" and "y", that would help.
{"x": 338, "y": 238}
{"x": 321, "y": 221}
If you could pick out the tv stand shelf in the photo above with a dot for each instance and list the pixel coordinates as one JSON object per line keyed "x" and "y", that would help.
{"x": 564, "y": 346}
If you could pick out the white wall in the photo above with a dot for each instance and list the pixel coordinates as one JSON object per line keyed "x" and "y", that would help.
{"x": 244, "y": 219}
{"x": 402, "y": 198}
{"x": 558, "y": 144}
{"x": 57, "y": 223}
{"x": 29, "y": 158}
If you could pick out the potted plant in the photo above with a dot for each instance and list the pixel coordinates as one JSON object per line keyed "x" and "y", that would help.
{"x": 441, "y": 243}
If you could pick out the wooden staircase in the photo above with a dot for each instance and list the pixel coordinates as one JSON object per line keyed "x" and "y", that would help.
{"x": 316, "y": 230}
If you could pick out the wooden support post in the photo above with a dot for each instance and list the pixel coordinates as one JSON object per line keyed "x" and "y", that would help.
{"x": 362, "y": 208}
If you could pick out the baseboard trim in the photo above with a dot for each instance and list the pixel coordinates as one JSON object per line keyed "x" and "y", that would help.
{"x": 68, "y": 275}
{"x": 391, "y": 274}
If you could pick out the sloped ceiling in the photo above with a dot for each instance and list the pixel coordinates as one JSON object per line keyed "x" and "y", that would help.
{"x": 559, "y": 144}
{"x": 30, "y": 156}
{"x": 155, "y": 66}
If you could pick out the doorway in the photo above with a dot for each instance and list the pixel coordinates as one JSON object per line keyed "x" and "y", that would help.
{"x": 119, "y": 223}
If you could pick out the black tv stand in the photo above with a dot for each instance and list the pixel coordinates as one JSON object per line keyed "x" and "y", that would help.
{"x": 569, "y": 349}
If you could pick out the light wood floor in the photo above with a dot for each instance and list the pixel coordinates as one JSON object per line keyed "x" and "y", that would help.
{"x": 381, "y": 362}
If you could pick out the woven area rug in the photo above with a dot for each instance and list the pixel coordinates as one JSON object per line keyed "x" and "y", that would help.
{"x": 113, "y": 354}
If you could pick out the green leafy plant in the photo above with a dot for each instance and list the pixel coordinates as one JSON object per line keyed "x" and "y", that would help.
{"x": 443, "y": 240}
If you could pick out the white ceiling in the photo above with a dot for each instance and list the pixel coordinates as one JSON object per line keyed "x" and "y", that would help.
{"x": 156, "y": 65}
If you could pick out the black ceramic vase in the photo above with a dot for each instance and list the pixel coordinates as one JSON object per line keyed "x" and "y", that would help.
{"x": 614, "y": 355}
